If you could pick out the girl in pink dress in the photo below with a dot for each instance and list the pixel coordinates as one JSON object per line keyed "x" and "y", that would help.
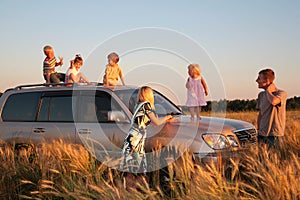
{"x": 196, "y": 89}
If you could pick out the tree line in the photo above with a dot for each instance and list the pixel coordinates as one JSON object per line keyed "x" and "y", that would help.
{"x": 242, "y": 105}
{"x": 239, "y": 105}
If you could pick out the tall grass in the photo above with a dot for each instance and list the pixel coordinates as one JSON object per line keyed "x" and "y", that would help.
{"x": 64, "y": 171}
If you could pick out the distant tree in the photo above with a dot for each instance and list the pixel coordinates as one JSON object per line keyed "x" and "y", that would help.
{"x": 293, "y": 103}
{"x": 219, "y": 106}
{"x": 238, "y": 105}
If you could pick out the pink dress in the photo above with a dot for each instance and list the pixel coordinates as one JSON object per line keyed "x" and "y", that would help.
{"x": 195, "y": 93}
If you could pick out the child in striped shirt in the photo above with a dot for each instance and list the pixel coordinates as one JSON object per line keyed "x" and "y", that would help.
{"x": 49, "y": 64}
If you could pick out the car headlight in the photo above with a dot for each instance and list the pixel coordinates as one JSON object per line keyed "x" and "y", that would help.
{"x": 232, "y": 141}
{"x": 216, "y": 141}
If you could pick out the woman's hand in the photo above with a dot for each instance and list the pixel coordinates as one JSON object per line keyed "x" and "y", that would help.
{"x": 170, "y": 118}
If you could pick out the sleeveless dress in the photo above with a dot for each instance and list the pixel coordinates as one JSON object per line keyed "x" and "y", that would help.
{"x": 195, "y": 93}
{"x": 134, "y": 158}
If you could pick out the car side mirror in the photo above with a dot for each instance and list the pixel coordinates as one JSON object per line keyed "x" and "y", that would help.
{"x": 117, "y": 116}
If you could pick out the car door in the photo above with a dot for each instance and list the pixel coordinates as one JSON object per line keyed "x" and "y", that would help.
{"x": 18, "y": 116}
{"x": 102, "y": 123}
{"x": 55, "y": 120}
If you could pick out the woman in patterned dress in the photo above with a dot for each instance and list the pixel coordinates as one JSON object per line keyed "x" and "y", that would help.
{"x": 134, "y": 158}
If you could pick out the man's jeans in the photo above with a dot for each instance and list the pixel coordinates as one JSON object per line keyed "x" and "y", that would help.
{"x": 271, "y": 141}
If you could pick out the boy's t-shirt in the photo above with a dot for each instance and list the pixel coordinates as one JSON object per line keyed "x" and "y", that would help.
{"x": 49, "y": 65}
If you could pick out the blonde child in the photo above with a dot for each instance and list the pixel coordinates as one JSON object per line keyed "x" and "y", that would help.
{"x": 113, "y": 71}
{"x": 196, "y": 89}
{"x": 49, "y": 64}
{"x": 73, "y": 75}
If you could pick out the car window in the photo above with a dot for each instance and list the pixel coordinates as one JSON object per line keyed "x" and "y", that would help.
{"x": 96, "y": 108}
{"x": 56, "y": 109}
{"x": 163, "y": 105}
{"x": 128, "y": 97}
{"x": 87, "y": 109}
{"x": 21, "y": 107}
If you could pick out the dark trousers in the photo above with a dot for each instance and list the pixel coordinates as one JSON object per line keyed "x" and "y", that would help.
{"x": 271, "y": 141}
{"x": 57, "y": 77}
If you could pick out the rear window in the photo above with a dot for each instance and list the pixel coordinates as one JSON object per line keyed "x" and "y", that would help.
{"x": 21, "y": 107}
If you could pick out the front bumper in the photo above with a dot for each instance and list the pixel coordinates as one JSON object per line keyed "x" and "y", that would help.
{"x": 218, "y": 158}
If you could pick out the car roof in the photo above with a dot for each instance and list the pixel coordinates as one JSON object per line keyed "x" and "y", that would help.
{"x": 69, "y": 86}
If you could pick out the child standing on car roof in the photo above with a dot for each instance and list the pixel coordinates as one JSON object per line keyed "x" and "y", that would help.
{"x": 196, "y": 89}
{"x": 49, "y": 64}
{"x": 113, "y": 71}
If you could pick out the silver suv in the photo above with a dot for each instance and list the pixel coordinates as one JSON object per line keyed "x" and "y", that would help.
{"x": 99, "y": 118}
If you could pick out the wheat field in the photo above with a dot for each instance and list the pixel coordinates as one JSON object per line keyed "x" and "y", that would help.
{"x": 64, "y": 171}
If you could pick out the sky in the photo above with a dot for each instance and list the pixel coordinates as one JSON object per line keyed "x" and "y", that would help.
{"x": 156, "y": 40}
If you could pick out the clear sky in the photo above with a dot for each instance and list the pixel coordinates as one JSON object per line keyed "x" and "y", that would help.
{"x": 231, "y": 40}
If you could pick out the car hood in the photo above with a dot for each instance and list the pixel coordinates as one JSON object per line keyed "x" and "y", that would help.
{"x": 185, "y": 128}
{"x": 215, "y": 124}
{"x": 185, "y": 133}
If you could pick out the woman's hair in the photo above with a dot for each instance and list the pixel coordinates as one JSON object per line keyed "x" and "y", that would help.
{"x": 114, "y": 57}
{"x": 195, "y": 69}
{"x": 146, "y": 94}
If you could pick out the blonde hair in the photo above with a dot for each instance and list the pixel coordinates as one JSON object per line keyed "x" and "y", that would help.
{"x": 114, "y": 57}
{"x": 47, "y": 48}
{"x": 194, "y": 69}
{"x": 146, "y": 94}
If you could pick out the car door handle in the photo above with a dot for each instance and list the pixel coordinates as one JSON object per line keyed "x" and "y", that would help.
{"x": 85, "y": 131}
{"x": 39, "y": 130}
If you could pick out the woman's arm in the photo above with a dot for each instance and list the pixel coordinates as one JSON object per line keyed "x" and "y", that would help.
{"x": 158, "y": 121}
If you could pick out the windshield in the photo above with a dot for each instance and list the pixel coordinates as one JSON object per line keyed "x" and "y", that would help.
{"x": 163, "y": 106}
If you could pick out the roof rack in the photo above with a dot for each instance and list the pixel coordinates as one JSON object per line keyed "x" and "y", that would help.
{"x": 55, "y": 84}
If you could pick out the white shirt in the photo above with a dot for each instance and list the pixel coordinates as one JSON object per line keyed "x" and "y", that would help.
{"x": 68, "y": 74}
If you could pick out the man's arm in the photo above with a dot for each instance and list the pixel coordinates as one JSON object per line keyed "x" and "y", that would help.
{"x": 274, "y": 100}
{"x": 258, "y": 120}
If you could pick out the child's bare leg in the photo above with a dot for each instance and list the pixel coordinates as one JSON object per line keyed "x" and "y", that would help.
{"x": 82, "y": 78}
{"x": 198, "y": 112}
{"x": 192, "y": 112}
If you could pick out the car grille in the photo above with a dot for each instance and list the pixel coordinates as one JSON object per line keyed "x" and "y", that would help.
{"x": 246, "y": 136}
